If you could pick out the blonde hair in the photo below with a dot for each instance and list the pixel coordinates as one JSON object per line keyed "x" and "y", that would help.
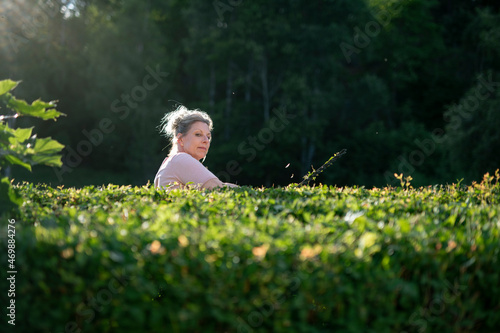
{"x": 180, "y": 121}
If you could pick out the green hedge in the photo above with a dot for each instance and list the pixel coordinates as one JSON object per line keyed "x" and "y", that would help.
{"x": 308, "y": 259}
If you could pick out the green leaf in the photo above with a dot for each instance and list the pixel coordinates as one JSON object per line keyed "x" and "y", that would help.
{"x": 23, "y": 134}
{"x": 15, "y": 160}
{"x": 46, "y": 152}
{"x": 37, "y": 109}
{"x": 7, "y": 85}
{"x": 47, "y": 145}
{"x": 404, "y": 225}
{"x": 367, "y": 239}
{"x": 5, "y": 132}
{"x": 9, "y": 198}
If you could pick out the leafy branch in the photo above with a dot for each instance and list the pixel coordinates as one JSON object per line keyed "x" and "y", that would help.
{"x": 313, "y": 174}
{"x": 20, "y": 146}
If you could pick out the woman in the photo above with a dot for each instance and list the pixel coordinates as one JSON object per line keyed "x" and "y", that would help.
{"x": 190, "y": 133}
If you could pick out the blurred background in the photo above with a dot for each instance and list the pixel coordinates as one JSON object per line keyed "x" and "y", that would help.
{"x": 407, "y": 87}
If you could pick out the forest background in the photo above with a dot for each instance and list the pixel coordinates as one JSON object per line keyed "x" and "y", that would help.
{"x": 406, "y": 87}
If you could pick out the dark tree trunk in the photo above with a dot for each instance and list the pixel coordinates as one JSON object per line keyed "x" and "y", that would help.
{"x": 229, "y": 100}
{"x": 265, "y": 90}
{"x": 211, "y": 88}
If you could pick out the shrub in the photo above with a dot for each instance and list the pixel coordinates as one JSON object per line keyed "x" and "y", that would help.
{"x": 295, "y": 259}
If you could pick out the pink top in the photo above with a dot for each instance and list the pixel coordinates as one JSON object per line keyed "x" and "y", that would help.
{"x": 182, "y": 168}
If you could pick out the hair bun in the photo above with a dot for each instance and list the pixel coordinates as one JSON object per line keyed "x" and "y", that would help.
{"x": 172, "y": 120}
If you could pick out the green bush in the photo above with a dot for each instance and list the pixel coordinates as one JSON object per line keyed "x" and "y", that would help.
{"x": 296, "y": 259}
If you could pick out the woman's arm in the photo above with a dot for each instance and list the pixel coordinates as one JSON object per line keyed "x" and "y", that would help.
{"x": 215, "y": 182}
{"x": 189, "y": 170}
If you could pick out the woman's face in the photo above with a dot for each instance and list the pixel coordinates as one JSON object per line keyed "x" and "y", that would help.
{"x": 196, "y": 141}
